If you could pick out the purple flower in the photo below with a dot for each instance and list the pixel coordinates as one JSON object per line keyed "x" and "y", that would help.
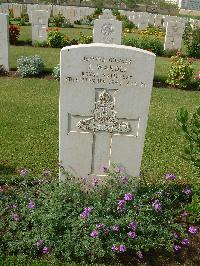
{"x": 46, "y": 173}
{"x": 39, "y": 242}
{"x": 128, "y": 197}
{"x": 140, "y": 255}
{"x": 31, "y": 205}
{"x": 157, "y": 205}
{"x": 175, "y": 235}
{"x": 184, "y": 214}
{"x": 45, "y": 250}
{"x": 120, "y": 169}
{"x": 115, "y": 228}
{"x": 23, "y": 172}
{"x": 133, "y": 225}
{"x": 99, "y": 226}
{"x": 193, "y": 230}
{"x": 104, "y": 169}
{"x": 122, "y": 248}
{"x": 14, "y": 206}
{"x": 125, "y": 179}
{"x": 95, "y": 181}
{"x": 15, "y": 217}
{"x": 114, "y": 248}
{"x": 94, "y": 234}
{"x": 85, "y": 179}
{"x": 131, "y": 234}
{"x": 187, "y": 191}
{"x": 170, "y": 176}
{"x": 121, "y": 205}
{"x": 86, "y": 212}
{"x": 177, "y": 247}
{"x": 185, "y": 242}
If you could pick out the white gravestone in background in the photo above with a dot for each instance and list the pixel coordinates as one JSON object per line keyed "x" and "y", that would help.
{"x": 4, "y": 41}
{"x": 107, "y": 29}
{"x": 104, "y": 102}
{"x": 173, "y": 36}
{"x": 39, "y": 25}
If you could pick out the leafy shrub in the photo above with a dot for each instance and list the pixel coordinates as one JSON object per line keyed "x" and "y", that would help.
{"x": 190, "y": 129}
{"x": 56, "y": 72}
{"x": 83, "y": 39}
{"x": 56, "y": 39}
{"x": 134, "y": 42}
{"x": 193, "y": 43}
{"x": 58, "y": 20}
{"x": 28, "y": 66}
{"x": 180, "y": 72}
{"x": 152, "y": 44}
{"x": 147, "y": 43}
{"x": 106, "y": 223}
{"x": 127, "y": 24}
{"x": 3, "y": 71}
{"x": 170, "y": 52}
{"x": 25, "y": 17}
{"x": 14, "y": 32}
{"x": 67, "y": 24}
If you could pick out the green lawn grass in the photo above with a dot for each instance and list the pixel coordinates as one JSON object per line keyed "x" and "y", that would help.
{"x": 29, "y": 128}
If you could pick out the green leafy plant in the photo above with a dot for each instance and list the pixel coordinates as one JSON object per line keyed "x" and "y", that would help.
{"x": 56, "y": 39}
{"x": 193, "y": 43}
{"x": 56, "y": 72}
{"x": 58, "y": 20}
{"x": 28, "y": 66}
{"x": 83, "y": 39}
{"x": 110, "y": 221}
{"x": 3, "y": 71}
{"x": 180, "y": 72}
{"x": 190, "y": 128}
{"x": 152, "y": 44}
{"x": 14, "y": 32}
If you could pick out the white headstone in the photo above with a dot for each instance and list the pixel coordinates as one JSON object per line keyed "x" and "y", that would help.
{"x": 39, "y": 25}
{"x": 4, "y": 41}
{"x": 173, "y": 36}
{"x": 107, "y": 29}
{"x": 143, "y": 21}
{"x": 104, "y": 102}
{"x": 158, "y": 21}
{"x": 17, "y": 10}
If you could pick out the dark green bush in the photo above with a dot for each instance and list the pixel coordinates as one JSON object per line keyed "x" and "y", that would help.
{"x": 56, "y": 39}
{"x": 58, "y": 20}
{"x": 180, "y": 73}
{"x": 84, "y": 39}
{"x": 190, "y": 129}
{"x": 152, "y": 44}
{"x": 127, "y": 24}
{"x": 193, "y": 46}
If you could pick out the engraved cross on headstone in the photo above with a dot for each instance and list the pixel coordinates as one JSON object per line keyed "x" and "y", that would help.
{"x": 104, "y": 125}
{"x": 41, "y": 27}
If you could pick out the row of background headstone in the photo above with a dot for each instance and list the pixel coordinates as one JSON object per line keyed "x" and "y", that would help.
{"x": 74, "y": 13}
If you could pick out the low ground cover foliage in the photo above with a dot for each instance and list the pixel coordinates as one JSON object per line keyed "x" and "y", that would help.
{"x": 30, "y": 66}
{"x": 109, "y": 221}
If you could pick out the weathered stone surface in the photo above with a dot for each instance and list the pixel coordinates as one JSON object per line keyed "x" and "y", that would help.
{"x": 104, "y": 101}
{"x": 173, "y": 36}
{"x": 4, "y": 41}
{"x": 39, "y": 25}
{"x": 107, "y": 29}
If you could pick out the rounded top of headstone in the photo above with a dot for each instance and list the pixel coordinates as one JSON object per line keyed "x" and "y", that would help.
{"x": 107, "y": 14}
